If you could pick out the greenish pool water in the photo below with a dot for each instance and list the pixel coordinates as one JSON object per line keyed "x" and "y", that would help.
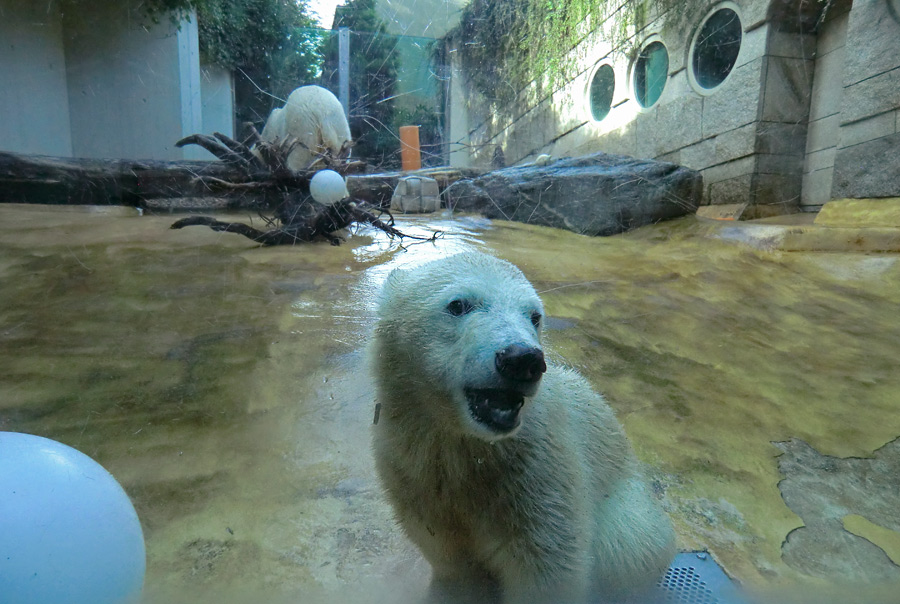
{"x": 222, "y": 384}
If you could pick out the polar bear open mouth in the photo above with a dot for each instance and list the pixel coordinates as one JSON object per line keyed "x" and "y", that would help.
{"x": 497, "y": 409}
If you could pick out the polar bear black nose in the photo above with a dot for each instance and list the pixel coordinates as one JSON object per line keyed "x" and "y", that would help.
{"x": 521, "y": 363}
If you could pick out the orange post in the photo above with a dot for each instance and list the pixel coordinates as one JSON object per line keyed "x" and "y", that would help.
{"x": 410, "y": 156}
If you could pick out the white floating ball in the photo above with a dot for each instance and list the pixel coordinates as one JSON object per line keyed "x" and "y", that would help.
{"x": 327, "y": 187}
{"x": 68, "y": 532}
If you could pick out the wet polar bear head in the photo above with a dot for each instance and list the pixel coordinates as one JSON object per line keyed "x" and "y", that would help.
{"x": 459, "y": 338}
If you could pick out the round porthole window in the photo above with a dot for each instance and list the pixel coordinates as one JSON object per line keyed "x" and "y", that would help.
{"x": 651, "y": 70}
{"x": 603, "y": 85}
{"x": 715, "y": 48}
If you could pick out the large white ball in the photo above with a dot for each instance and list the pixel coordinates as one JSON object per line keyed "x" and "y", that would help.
{"x": 327, "y": 187}
{"x": 68, "y": 532}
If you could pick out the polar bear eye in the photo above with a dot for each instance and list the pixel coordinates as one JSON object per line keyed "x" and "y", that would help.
{"x": 536, "y": 319}
{"x": 460, "y": 307}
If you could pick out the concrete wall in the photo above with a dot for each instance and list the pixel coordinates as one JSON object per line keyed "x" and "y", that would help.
{"x": 128, "y": 93}
{"x": 217, "y": 95}
{"x": 34, "y": 104}
{"x": 794, "y": 110}
{"x": 217, "y": 106}
{"x": 105, "y": 83}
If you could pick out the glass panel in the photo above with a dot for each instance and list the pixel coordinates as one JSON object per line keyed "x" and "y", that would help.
{"x": 716, "y": 49}
{"x": 651, "y": 73}
{"x": 603, "y": 86}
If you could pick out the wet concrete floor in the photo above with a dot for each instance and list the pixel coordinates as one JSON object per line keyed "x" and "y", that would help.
{"x": 222, "y": 384}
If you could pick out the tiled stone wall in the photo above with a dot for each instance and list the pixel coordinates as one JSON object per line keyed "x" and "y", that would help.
{"x": 716, "y": 133}
{"x": 793, "y": 115}
{"x": 825, "y": 107}
{"x": 782, "y": 128}
{"x": 867, "y": 156}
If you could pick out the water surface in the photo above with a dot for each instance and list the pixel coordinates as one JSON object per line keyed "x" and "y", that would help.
{"x": 222, "y": 384}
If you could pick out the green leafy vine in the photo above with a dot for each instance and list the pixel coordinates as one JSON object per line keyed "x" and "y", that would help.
{"x": 517, "y": 42}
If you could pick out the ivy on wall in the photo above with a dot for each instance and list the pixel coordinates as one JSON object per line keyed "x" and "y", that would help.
{"x": 237, "y": 33}
{"x": 505, "y": 45}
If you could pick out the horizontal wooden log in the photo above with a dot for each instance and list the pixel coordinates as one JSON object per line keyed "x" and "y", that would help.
{"x": 67, "y": 180}
{"x": 158, "y": 185}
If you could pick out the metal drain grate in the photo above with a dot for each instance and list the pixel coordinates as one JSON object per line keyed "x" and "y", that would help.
{"x": 695, "y": 578}
{"x": 685, "y": 585}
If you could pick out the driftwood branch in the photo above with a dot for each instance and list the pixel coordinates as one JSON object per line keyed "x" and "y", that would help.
{"x": 219, "y": 149}
{"x": 304, "y": 229}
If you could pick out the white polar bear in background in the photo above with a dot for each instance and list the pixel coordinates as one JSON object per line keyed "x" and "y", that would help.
{"x": 511, "y": 475}
{"x": 315, "y": 117}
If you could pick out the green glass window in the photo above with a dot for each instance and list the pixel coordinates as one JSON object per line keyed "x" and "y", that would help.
{"x": 650, "y": 73}
{"x": 603, "y": 85}
{"x": 716, "y": 48}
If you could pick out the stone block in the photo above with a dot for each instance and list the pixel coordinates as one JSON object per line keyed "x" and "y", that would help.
{"x": 753, "y": 45}
{"x": 729, "y": 170}
{"x": 871, "y": 97}
{"x": 532, "y": 125}
{"x": 674, "y": 157}
{"x": 791, "y": 45}
{"x": 736, "y": 143}
{"x": 827, "y": 85}
{"x": 668, "y": 93}
{"x": 781, "y": 190}
{"x": 622, "y": 141}
{"x": 869, "y": 169}
{"x": 833, "y": 35}
{"x": 819, "y": 160}
{"x": 874, "y": 35}
{"x": 754, "y": 13}
{"x": 679, "y": 123}
{"x": 513, "y": 151}
{"x": 794, "y": 15}
{"x": 867, "y": 130}
{"x": 732, "y": 191}
{"x": 736, "y": 103}
{"x": 677, "y": 54}
{"x": 779, "y": 164}
{"x": 678, "y": 87}
{"x": 788, "y": 88}
{"x": 622, "y": 92}
{"x": 781, "y": 138}
{"x": 823, "y": 133}
{"x": 699, "y": 155}
{"x": 816, "y": 187}
{"x": 646, "y": 126}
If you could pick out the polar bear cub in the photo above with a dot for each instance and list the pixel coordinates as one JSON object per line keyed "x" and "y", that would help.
{"x": 313, "y": 116}
{"x": 510, "y": 474}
